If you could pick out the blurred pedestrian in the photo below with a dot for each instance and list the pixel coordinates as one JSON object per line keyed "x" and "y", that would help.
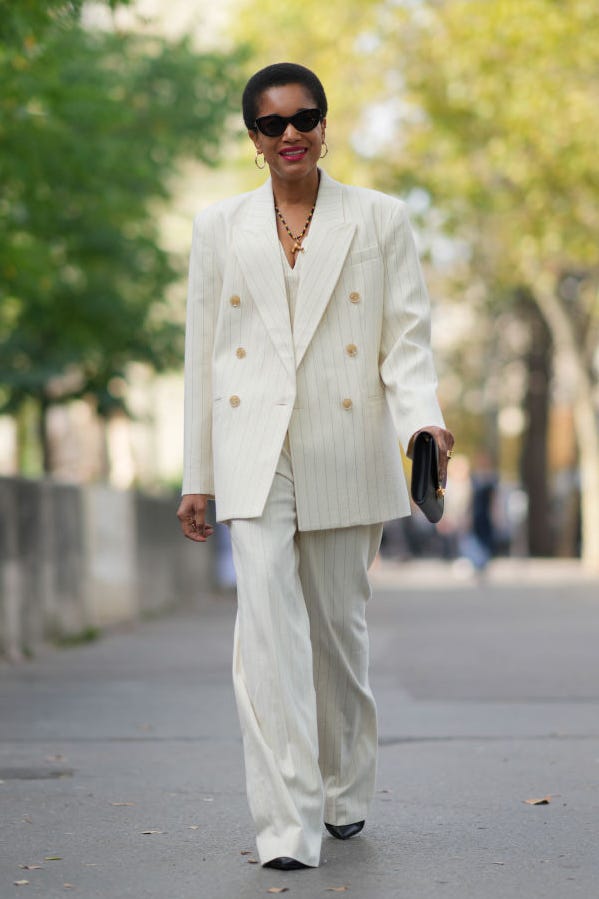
{"x": 307, "y": 354}
{"x": 479, "y": 542}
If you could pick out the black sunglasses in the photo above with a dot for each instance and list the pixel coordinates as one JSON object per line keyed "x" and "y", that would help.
{"x": 274, "y": 125}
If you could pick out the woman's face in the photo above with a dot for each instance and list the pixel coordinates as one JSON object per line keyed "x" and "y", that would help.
{"x": 294, "y": 154}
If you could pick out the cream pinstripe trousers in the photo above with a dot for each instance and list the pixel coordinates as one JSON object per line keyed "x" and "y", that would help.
{"x": 300, "y": 673}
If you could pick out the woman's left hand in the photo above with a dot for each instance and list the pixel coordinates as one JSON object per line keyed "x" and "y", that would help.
{"x": 445, "y": 441}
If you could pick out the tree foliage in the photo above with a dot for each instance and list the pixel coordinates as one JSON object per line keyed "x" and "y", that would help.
{"x": 502, "y": 123}
{"x": 92, "y": 125}
{"x": 500, "y": 127}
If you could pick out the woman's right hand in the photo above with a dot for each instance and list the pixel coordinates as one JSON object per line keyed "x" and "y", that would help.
{"x": 192, "y": 515}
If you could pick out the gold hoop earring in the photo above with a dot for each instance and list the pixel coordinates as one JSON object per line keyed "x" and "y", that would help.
{"x": 257, "y": 156}
{"x": 326, "y": 150}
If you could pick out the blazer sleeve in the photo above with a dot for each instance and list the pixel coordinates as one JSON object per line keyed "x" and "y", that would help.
{"x": 406, "y": 362}
{"x": 204, "y": 288}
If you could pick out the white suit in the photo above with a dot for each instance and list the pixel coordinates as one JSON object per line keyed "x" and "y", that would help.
{"x": 352, "y": 375}
{"x": 355, "y": 374}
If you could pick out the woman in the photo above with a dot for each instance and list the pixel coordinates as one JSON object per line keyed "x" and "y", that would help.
{"x": 307, "y": 355}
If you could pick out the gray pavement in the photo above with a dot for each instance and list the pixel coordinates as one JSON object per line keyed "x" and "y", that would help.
{"x": 488, "y": 696}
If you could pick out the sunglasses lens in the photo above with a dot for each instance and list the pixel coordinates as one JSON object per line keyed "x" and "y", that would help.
{"x": 306, "y": 120}
{"x": 271, "y": 125}
{"x": 274, "y": 125}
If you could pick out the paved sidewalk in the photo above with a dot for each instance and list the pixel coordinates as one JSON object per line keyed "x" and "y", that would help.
{"x": 488, "y": 696}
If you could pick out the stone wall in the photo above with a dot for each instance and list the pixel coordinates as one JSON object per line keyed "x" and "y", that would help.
{"x": 79, "y": 558}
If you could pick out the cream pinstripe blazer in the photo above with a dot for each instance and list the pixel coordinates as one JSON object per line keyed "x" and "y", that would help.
{"x": 355, "y": 374}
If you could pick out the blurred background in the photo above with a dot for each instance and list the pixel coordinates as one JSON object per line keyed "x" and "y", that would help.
{"x": 120, "y": 120}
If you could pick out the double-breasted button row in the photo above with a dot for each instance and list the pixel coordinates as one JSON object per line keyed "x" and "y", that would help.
{"x": 346, "y": 402}
{"x": 354, "y": 297}
{"x": 240, "y": 352}
{"x": 235, "y": 300}
{"x": 351, "y": 349}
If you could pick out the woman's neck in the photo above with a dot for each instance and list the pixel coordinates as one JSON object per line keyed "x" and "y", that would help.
{"x": 296, "y": 193}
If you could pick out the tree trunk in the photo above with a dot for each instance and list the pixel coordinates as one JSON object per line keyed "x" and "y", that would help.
{"x": 534, "y": 450}
{"x": 585, "y": 421}
{"x": 43, "y": 435}
{"x": 585, "y": 415}
{"x": 29, "y": 460}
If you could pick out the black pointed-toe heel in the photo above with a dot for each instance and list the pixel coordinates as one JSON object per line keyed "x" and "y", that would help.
{"x": 344, "y": 831}
{"x": 284, "y": 863}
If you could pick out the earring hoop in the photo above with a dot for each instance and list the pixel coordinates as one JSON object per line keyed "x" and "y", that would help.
{"x": 326, "y": 150}
{"x": 257, "y": 156}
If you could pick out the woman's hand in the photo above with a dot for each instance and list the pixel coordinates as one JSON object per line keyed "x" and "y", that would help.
{"x": 445, "y": 442}
{"x": 192, "y": 515}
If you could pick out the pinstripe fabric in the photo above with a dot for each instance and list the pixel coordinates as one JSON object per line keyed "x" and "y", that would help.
{"x": 333, "y": 573}
{"x": 204, "y": 283}
{"x": 307, "y": 717}
{"x": 346, "y": 462}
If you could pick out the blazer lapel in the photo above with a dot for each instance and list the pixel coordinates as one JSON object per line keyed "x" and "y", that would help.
{"x": 256, "y": 245}
{"x": 330, "y": 239}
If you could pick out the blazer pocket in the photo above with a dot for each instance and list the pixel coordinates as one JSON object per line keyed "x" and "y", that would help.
{"x": 365, "y": 255}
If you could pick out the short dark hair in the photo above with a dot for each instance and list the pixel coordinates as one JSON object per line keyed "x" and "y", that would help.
{"x": 275, "y": 76}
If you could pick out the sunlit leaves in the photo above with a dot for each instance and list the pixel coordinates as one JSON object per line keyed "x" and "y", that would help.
{"x": 92, "y": 126}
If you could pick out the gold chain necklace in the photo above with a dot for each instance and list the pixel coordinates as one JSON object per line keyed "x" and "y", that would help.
{"x": 296, "y": 238}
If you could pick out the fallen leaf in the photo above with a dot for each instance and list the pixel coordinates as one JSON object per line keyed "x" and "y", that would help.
{"x": 69, "y": 886}
{"x": 246, "y": 852}
{"x": 194, "y": 826}
{"x": 20, "y": 883}
{"x": 151, "y": 831}
{"x": 122, "y": 803}
{"x": 59, "y": 757}
{"x": 53, "y": 858}
{"x": 30, "y": 867}
{"x": 252, "y": 861}
{"x": 278, "y": 890}
{"x": 544, "y": 801}
{"x": 336, "y": 889}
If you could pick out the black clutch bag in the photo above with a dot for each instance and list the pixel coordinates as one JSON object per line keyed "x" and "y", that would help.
{"x": 427, "y": 492}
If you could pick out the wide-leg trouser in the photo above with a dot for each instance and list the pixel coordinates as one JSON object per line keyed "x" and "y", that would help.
{"x": 300, "y": 673}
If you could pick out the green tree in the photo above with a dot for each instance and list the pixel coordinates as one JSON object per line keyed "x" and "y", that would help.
{"x": 92, "y": 125}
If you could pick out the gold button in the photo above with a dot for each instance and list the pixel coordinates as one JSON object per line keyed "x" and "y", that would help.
{"x": 351, "y": 349}
{"x": 354, "y": 296}
{"x": 240, "y": 352}
{"x": 347, "y": 403}
{"x": 235, "y": 401}
{"x": 235, "y": 300}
